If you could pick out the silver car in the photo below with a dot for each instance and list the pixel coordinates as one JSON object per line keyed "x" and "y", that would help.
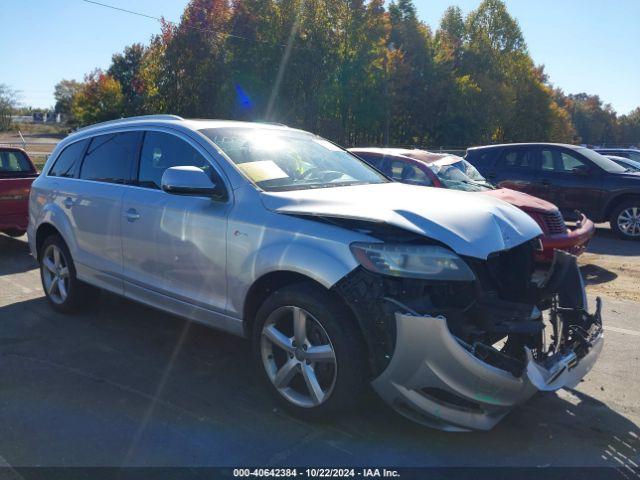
{"x": 340, "y": 277}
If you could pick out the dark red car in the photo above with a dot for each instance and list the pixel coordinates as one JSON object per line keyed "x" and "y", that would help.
{"x": 17, "y": 172}
{"x": 420, "y": 167}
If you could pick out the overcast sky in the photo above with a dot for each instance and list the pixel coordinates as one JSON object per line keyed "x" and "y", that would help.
{"x": 586, "y": 45}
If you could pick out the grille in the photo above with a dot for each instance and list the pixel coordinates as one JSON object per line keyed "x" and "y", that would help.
{"x": 554, "y": 222}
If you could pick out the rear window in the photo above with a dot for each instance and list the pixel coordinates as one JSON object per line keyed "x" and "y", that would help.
{"x": 67, "y": 163}
{"x": 14, "y": 162}
{"x": 110, "y": 157}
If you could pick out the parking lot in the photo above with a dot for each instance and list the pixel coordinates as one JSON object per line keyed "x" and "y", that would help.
{"x": 123, "y": 384}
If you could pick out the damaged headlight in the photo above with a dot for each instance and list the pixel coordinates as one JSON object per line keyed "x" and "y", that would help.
{"x": 429, "y": 262}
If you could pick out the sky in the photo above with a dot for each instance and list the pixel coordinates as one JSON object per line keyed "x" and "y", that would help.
{"x": 586, "y": 45}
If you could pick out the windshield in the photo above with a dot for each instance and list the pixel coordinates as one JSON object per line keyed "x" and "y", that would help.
{"x": 459, "y": 175}
{"x": 602, "y": 161}
{"x": 630, "y": 165}
{"x": 277, "y": 159}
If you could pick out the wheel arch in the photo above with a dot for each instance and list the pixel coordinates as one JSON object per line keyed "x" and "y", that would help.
{"x": 616, "y": 201}
{"x": 44, "y": 231}
{"x": 272, "y": 281}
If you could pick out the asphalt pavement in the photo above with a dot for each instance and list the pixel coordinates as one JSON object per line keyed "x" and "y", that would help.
{"x": 123, "y": 384}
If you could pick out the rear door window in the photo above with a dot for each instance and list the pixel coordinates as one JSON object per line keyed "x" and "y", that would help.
{"x": 517, "y": 159}
{"x": 68, "y": 162}
{"x": 110, "y": 157}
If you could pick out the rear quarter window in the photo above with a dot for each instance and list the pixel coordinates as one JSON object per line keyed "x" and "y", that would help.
{"x": 68, "y": 162}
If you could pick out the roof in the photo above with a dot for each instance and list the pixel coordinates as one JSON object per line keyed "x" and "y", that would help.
{"x": 615, "y": 149}
{"x": 413, "y": 154}
{"x": 194, "y": 124}
{"x": 529, "y": 144}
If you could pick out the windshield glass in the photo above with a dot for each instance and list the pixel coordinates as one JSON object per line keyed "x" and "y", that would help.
{"x": 459, "y": 175}
{"x": 277, "y": 159}
{"x": 601, "y": 161}
{"x": 630, "y": 165}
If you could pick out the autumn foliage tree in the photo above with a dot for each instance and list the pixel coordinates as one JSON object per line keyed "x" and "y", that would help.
{"x": 100, "y": 98}
{"x": 356, "y": 71}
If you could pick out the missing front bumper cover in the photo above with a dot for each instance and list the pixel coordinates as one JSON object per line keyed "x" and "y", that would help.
{"x": 439, "y": 362}
{"x": 441, "y": 381}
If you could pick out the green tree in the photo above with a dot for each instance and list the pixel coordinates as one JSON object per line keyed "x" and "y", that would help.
{"x": 125, "y": 68}
{"x": 63, "y": 94}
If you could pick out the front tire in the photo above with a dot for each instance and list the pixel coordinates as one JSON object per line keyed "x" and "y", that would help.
{"x": 625, "y": 220}
{"x": 66, "y": 294}
{"x": 309, "y": 351}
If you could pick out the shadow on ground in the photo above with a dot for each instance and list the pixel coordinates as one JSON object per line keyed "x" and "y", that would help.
{"x": 596, "y": 275}
{"x": 15, "y": 256}
{"x": 605, "y": 242}
{"x": 110, "y": 387}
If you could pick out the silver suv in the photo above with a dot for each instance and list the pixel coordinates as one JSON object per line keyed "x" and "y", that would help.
{"x": 340, "y": 277}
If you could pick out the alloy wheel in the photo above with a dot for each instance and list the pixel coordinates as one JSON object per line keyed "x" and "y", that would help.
{"x": 55, "y": 274}
{"x": 298, "y": 356}
{"x": 629, "y": 221}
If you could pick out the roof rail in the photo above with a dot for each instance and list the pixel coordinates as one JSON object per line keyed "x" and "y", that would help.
{"x": 126, "y": 119}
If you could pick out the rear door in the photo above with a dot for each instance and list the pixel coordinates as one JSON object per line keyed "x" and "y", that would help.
{"x": 570, "y": 181}
{"x": 96, "y": 206}
{"x": 16, "y": 175}
{"x": 516, "y": 168}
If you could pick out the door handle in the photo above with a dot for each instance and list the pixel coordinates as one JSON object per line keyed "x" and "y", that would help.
{"x": 69, "y": 202}
{"x": 544, "y": 183}
{"x": 132, "y": 215}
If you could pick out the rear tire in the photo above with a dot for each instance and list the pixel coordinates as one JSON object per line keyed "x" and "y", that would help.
{"x": 318, "y": 367}
{"x": 65, "y": 293}
{"x": 625, "y": 220}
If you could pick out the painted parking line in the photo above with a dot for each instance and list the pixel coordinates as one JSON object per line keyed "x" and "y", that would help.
{"x": 635, "y": 333}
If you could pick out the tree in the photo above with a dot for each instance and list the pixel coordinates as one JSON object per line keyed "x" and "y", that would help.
{"x": 125, "y": 68}
{"x": 8, "y": 103}
{"x": 63, "y": 93}
{"x": 99, "y": 99}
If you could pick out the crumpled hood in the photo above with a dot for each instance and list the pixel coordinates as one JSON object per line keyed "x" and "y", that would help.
{"x": 522, "y": 200}
{"x": 470, "y": 224}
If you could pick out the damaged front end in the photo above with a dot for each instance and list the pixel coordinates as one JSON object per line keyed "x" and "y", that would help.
{"x": 461, "y": 355}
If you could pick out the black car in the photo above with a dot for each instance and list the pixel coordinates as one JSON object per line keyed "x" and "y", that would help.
{"x": 630, "y": 153}
{"x": 574, "y": 178}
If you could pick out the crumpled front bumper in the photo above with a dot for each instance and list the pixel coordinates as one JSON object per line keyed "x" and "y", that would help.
{"x": 439, "y": 383}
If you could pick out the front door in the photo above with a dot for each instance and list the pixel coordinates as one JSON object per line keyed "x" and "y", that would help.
{"x": 174, "y": 246}
{"x": 569, "y": 181}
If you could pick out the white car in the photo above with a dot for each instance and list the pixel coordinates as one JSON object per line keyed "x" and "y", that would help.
{"x": 341, "y": 277}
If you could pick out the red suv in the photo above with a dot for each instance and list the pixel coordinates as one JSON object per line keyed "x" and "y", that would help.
{"x": 442, "y": 170}
{"x": 17, "y": 172}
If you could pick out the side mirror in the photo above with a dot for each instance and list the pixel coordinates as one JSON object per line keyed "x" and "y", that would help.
{"x": 581, "y": 170}
{"x": 188, "y": 181}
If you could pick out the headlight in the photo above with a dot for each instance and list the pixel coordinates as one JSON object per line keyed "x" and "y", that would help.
{"x": 429, "y": 262}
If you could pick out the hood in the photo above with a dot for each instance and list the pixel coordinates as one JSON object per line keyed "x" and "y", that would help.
{"x": 522, "y": 200}
{"x": 470, "y": 224}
